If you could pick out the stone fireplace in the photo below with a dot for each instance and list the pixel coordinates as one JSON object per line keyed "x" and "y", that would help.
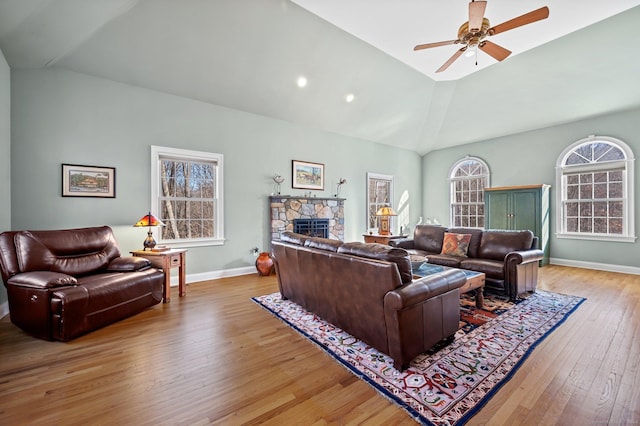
{"x": 285, "y": 209}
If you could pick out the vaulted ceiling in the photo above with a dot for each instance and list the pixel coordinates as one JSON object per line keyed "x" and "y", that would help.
{"x": 248, "y": 54}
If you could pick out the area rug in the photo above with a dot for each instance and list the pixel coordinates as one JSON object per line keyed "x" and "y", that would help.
{"x": 448, "y": 384}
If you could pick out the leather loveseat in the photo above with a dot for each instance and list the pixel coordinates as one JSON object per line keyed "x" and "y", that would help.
{"x": 509, "y": 259}
{"x": 368, "y": 291}
{"x": 64, "y": 283}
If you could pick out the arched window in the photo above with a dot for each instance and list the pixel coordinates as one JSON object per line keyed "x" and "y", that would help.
{"x": 595, "y": 197}
{"x": 468, "y": 178}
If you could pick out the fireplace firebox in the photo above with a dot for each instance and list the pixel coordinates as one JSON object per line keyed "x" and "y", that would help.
{"x": 312, "y": 227}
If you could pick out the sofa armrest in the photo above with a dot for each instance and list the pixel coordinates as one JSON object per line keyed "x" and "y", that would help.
{"x": 42, "y": 279}
{"x": 424, "y": 288}
{"x": 523, "y": 256}
{"x": 405, "y": 243}
{"x": 129, "y": 264}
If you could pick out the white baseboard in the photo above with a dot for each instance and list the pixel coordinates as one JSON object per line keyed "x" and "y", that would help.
{"x": 593, "y": 265}
{"x": 213, "y": 275}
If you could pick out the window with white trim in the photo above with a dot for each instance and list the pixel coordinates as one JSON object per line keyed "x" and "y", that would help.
{"x": 379, "y": 194}
{"x": 595, "y": 200}
{"x": 186, "y": 194}
{"x": 468, "y": 178}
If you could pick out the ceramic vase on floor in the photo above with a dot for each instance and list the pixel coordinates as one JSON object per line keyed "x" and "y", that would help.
{"x": 264, "y": 264}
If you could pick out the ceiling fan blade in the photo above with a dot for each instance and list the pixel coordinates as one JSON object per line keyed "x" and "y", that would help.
{"x": 430, "y": 45}
{"x": 476, "y": 13}
{"x": 451, "y": 60}
{"x": 527, "y": 18}
{"x": 499, "y": 53}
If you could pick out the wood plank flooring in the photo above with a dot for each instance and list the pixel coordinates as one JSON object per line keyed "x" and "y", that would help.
{"x": 215, "y": 357}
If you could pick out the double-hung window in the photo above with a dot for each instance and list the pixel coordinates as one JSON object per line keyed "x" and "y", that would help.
{"x": 595, "y": 197}
{"x": 186, "y": 192}
{"x": 468, "y": 178}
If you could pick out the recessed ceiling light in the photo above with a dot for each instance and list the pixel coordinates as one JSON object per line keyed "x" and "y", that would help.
{"x": 350, "y": 97}
{"x": 302, "y": 81}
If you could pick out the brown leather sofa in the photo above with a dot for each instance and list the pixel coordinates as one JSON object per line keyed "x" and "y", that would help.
{"x": 509, "y": 259}
{"x": 368, "y": 291}
{"x": 64, "y": 283}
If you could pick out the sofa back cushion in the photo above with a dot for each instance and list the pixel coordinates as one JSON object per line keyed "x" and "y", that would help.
{"x": 496, "y": 244}
{"x": 323, "y": 244}
{"x": 428, "y": 238}
{"x": 476, "y": 237}
{"x": 293, "y": 238}
{"x": 71, "y": 251}
{"x": 381, "y": 252}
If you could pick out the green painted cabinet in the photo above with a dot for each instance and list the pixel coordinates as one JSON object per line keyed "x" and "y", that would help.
{"x": 520, "y": 207}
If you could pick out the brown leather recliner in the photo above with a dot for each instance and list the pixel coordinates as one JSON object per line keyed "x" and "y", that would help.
{"x": 368, "y": 291}
{"x": 64, "y": 283}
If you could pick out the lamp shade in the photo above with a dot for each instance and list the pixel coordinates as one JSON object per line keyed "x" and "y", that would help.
{"x": 386, "y": 211}
{"x": 149, "y": 220}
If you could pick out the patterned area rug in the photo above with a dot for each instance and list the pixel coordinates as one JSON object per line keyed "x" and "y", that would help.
{"x": 448, "y": 384}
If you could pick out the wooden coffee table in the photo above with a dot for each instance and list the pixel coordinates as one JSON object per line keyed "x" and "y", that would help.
{"x": 475, "y": 280}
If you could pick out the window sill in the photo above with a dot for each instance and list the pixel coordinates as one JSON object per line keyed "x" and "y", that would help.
{"x": 612, "y": 238}
{"x": 192, "y": 243}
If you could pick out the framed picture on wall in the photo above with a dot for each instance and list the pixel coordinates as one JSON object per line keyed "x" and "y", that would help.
{"x": 88, "y": 181}
{"x": 306, "y": 175}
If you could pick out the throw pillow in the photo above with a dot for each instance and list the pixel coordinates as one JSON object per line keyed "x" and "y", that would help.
{"x": 455, "y": 244}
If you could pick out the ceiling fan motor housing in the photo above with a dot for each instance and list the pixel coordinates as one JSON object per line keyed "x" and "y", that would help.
{"x": 474, "y": 36}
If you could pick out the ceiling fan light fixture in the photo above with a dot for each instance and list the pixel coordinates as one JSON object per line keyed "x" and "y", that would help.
{"x": 471, "y": 51}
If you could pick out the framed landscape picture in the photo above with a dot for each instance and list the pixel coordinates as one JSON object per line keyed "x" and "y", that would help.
{"x": 88, "y": 181}
{"x": 307, "y": 175}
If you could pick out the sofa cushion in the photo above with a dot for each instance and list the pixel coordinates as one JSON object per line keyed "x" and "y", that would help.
{"x": 72, "y": 251}
{"x": 496, "y": 244}
{"x": 428, "y": 238}
{"x": 323, "y": 244}
{"x": 445, "y": 260}
{"x": 476, "y": 237}
{"x": 129, "y": 263}
{"x": 455, "y": 244}
{"x": 381, "y": 252}
{"x": 293, "y": 238}
{"x": 491, "y": 268}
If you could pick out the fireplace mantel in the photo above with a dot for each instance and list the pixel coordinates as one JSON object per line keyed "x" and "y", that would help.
{"x": 297, "y": 197}
{"x": 286, "y": 208}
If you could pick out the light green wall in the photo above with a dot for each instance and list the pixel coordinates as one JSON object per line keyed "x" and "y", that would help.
{"x": 5, "y": 153}
{"x": 530, "y": 158}
{"x": 65, "y": 117}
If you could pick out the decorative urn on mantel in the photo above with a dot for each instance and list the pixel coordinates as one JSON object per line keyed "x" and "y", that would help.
{"x": 264, "y": 264}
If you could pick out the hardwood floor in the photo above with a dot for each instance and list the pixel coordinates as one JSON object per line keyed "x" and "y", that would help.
{"x": 215, "y": 357}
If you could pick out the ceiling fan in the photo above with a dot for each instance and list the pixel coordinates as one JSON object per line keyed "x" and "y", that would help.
{"x": 473, "y": 32}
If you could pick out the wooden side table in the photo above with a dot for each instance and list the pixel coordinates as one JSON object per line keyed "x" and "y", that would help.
{"x": 165, "y": 260}
{"x": 380, "y": 239}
